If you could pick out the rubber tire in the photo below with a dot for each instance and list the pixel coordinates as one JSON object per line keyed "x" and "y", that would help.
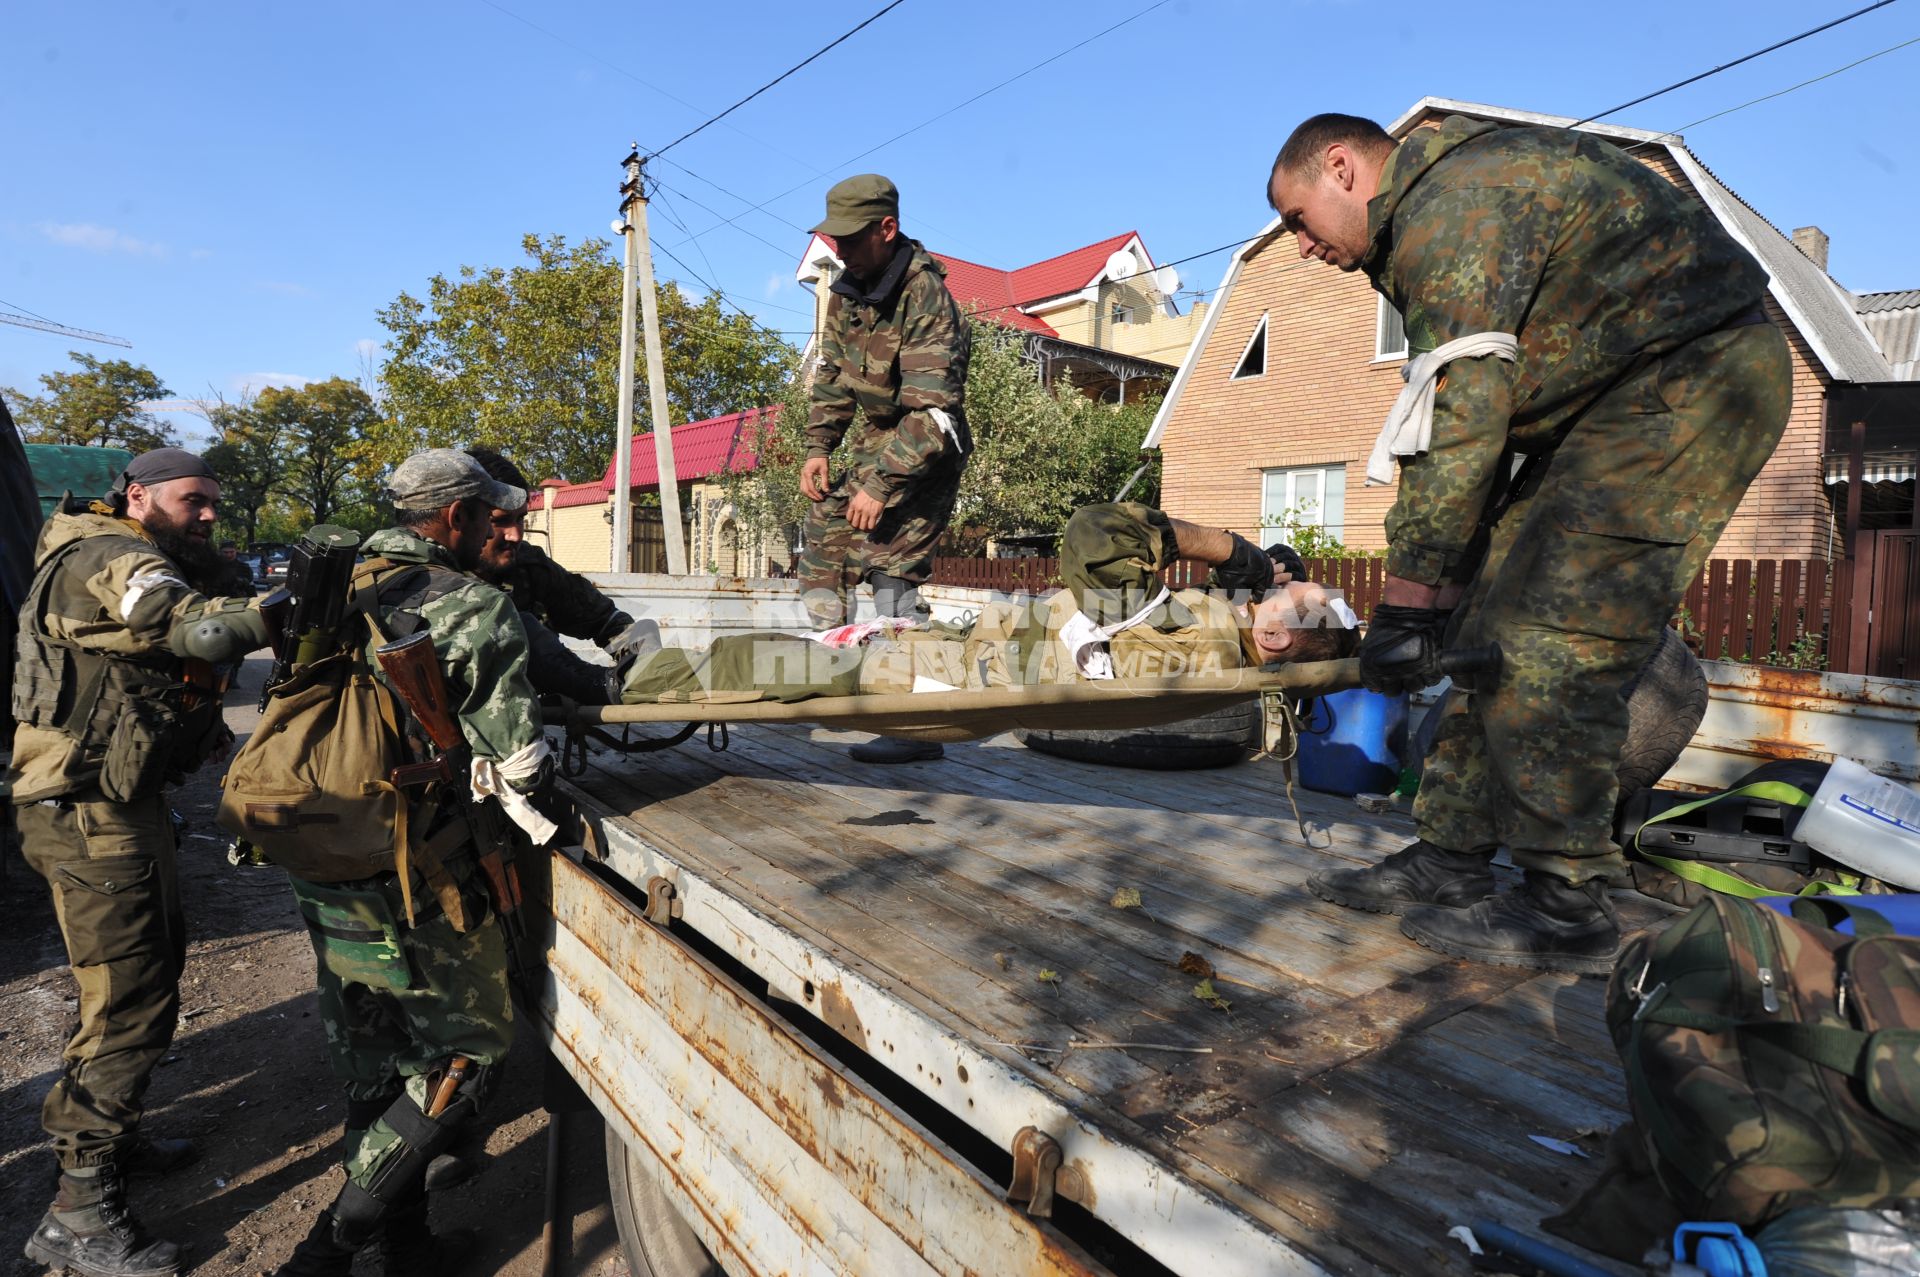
{"x": 653, "y": 1233}
{"x": 1221, "y": 738}
{"x": 1665, "y": 702}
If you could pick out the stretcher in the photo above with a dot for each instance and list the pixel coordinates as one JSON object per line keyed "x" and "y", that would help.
{"x": 948, "y": 717}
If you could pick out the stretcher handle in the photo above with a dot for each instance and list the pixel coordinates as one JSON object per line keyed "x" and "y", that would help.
{"x": 1480, "y": 664}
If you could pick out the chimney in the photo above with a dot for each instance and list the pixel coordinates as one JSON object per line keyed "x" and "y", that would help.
{"x": 1812, "y": 242}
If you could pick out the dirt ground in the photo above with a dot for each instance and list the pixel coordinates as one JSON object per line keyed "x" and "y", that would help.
{"x": 247, "y": 1079}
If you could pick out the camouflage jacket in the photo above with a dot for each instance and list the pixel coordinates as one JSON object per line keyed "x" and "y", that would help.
{"x": 477, "y": 637}
{"x": 1588, "y": 257}
{"x": 114, "y": 594}
{"x": 896, "y": 349}
{"x": 564, "y": 601}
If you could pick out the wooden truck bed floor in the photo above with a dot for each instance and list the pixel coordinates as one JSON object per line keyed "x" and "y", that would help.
{"x": 1361, "y": 1095}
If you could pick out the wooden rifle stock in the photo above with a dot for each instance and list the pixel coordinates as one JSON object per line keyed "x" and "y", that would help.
{"x": 413, "y": 671}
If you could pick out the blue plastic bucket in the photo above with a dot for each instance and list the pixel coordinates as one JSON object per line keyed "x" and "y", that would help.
{"x": 1351, "y": 742}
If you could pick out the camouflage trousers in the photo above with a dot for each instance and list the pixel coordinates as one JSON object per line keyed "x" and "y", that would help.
{"x": 1579, "y": 580}
{"x": 111, "y": 869}
{"x": 839, "y": 557}
{"x": 396, "y": 1006}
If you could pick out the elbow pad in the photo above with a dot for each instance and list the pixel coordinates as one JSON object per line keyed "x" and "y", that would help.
{"x": 218, "y": 630}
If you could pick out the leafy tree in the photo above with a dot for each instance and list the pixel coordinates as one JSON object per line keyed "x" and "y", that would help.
{"x": 526, "y": 359}
{"x": 1038, "y": 454}
{"x": 325, "y": 425}
{"x": 250, "y": 457}
{"x": 97, "y": 406}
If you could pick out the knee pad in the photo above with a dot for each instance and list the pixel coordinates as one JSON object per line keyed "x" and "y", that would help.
{"x": 398, "y": 1179}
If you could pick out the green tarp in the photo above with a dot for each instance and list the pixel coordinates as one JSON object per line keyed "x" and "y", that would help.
{"x": 85, "y": 472}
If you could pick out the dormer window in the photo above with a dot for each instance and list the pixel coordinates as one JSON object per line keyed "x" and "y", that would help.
{"x": 1120, "y": 314}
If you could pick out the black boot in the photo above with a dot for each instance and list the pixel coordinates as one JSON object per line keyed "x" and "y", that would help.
{"x": 152, "y": 1156}
{"x": 319, "y": 1253}
{"x": 408, "y": 1248}
{"x": 1548, "y": 924}
{"x": 1421, "y": 874}
{"x": 89, "y": 1230}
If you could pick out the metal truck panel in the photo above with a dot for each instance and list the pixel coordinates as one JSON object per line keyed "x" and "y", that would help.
{"x": 791, "y": 1165}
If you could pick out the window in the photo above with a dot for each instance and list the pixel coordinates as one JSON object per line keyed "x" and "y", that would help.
{"x": 1305, "y": 497}
{"x": 1121, "y": 314}
{"x": 1253, "y": 360}
{"x": 1389, "y": 334}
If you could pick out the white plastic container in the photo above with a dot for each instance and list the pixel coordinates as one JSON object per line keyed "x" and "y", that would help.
{"x": 1866, "y": 822}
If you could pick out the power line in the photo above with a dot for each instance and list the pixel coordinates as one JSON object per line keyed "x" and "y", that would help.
{"x": 1768, "y": 97}
{"x": 1695, "y": 79}
{"x": 934, "y": 119}
{"x": 814, "y": 56}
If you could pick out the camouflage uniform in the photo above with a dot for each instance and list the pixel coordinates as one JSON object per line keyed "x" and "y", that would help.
{"x": 398, "y": 999}
{"x": 93, "y": 819}
{"x": 895, "y": 351}
{"x": 1653, "y": 390}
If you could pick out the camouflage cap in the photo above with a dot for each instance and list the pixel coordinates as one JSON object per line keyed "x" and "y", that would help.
{"x": 856, "y": 203}
{"x": 440, "y": 476}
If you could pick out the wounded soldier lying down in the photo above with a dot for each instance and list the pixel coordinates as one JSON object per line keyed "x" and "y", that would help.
{"x": 1114, "y": 619}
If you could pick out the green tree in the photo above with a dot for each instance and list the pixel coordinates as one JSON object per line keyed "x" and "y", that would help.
{"x": 326, "y": 427}
{"x": 526, "y": 359}
{"x": 250, "y": 457}
{"x": 97, "y": 406}
{"x": 1038, "y": 454}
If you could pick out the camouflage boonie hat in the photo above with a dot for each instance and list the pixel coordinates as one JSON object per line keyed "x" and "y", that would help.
{"x": 857, "y": 203}
{"x": 440, "y": 476}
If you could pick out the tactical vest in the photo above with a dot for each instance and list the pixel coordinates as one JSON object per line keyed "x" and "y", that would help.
{"x": 136, "y": 721}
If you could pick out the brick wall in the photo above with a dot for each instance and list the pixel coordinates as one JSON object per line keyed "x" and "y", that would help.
{"x": 1324, "y": 396}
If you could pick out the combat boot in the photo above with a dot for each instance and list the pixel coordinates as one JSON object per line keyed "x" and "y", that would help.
{"x": 153, "y": 1156}
{"x": 89, "y": 1230}
{"x": 407, "y": 1247}
{"x": 1421, "y": 874}
{"x": 1547, "y": 923}
{"x": 318, "y": 1254}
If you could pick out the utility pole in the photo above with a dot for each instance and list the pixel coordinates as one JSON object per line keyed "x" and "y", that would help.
{"x": 623, "y": 433}
{"x": 640, "y": 253}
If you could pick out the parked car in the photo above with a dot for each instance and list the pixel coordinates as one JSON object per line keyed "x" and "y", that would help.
{"x": 270, "y": 565}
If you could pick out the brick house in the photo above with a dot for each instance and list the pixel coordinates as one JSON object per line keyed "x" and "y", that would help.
{"x": 1278, "y": 403}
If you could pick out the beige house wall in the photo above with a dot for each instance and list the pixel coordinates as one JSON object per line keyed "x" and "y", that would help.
{"x": 1324, "y": 396}
{"x": 1151, "y": 334}
{"x": 579, "y": 537}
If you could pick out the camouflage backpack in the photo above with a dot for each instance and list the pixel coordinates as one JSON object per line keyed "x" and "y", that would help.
{"x": 1773, "y": 1062}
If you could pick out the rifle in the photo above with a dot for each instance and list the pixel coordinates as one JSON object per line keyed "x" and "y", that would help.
{"x": 413, "y": 671}
{"x": 307, "y": 621}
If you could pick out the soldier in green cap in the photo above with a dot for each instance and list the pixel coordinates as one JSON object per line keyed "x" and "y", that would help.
{"x": 416, "y": 1010}
{"x": 115, "y": 699}
{"x": 1567, "y": 305}
{"x": 893, "y": 354}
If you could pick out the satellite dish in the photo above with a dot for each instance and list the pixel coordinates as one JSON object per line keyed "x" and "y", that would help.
{"x": 1120, "y": 265}
{"x": 1167, "y": 281}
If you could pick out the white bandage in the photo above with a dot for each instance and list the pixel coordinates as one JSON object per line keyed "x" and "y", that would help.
{"x": 140, "y": 584}
{"x": 1409, "y": 428}
{"x": 1087, "y": 642}
{"x": 492, "y": 779}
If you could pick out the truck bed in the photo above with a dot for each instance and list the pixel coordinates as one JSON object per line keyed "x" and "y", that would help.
{"x": 1345, "y": 1099}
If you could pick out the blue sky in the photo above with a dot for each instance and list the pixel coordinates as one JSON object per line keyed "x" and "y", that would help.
{"x": 238, "y": 188}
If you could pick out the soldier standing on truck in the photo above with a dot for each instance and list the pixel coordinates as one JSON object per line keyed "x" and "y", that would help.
{"x": 115, "y": 699}
{"x": 893, "y": 349}
{"x": 417, "y": 1012}
{"x": 553, "y": 600}
{"x": 1579, "y": 311}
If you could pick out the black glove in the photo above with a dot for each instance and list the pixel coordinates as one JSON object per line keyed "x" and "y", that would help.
{"x": 1287, "y": 559}
{"x": 1247, "y": 568}
{"x": 1401, "y": 650}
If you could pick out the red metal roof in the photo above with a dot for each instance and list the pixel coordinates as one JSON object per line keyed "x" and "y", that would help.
{"x": 987, "y": 293}
{"x": 564, "y": 495}
{"x": 700, "y": 449}
{"x": 1066, "y": 273}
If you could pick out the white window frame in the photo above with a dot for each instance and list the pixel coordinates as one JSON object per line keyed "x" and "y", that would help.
{"x": 1291, "y": 497}
{"x": 1381, "y": 354}
{"x": 1119, "y": 314}
{"x": 1259, "y": 334}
